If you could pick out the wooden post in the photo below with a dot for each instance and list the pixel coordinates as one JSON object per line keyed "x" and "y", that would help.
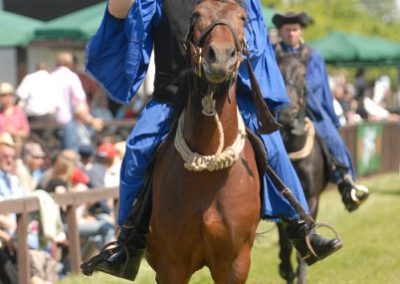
{"x": 73, "y": 237}
{"x": 22, "y": 248}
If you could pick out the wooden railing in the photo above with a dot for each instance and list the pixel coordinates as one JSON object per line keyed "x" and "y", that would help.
{"x": 24, "y": 206}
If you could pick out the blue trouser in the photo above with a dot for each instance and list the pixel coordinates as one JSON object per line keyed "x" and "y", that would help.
{"x": 152, "y": 128}
{"x": 328, "y": 132}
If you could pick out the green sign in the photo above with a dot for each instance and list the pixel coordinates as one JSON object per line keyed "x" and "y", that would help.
{"x": 369, "y": 148}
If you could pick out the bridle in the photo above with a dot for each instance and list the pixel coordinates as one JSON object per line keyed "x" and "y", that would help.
{"x": 266, "y": 121}
{"x": 197, "y": 46}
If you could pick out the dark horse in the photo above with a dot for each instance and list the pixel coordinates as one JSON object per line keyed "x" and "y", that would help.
{"x": 304, "y": 150}
{"x": 206, "y": 186}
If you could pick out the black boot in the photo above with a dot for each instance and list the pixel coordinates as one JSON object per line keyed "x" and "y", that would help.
{"x": 353, "y": 195}
{"x": 310, "y": 246}
{"x": 123, "y": 259}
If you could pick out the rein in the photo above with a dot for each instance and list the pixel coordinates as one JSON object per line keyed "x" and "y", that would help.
{"x": 266, "y": 121}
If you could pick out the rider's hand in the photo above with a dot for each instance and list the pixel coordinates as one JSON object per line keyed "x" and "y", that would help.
{"x": 120, "y": 8}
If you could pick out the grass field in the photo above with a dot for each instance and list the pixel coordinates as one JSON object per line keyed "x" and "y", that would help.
{"x": 371, "y": 236}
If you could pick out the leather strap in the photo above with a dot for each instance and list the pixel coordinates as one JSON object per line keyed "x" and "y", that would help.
{"x": 286, "y": 192}
{"x": 266, "y": 121}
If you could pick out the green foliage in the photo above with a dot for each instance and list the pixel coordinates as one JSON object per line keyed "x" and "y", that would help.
{"x": 369, "y": 256}
{"x": 343, "y": 15}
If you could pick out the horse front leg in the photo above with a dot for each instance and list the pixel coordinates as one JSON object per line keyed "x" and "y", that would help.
{"x": 285, "y": 251}
{"x": 170, "y": 274}
{"x": 231, "y": 271}
{"x": 301, "y": 271}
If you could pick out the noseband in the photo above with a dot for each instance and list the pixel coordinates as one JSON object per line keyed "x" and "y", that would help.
{"x": 197, "y": 45}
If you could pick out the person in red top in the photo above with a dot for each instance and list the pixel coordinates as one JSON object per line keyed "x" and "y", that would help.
{"x": 12, "y": 118}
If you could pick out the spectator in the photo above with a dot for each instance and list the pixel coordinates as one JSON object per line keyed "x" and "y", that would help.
{"x": 78, "y": 131}
{"x": 37, "y": 95}
{"x": 10, "y": 186}
{"x": 67, "y": 177}
{"x": 29, "y": 167}
{"x": 382, "y": 90}
{"x": 375, "y": 111}
{"x": 69, "y": 88}
{"x": 12, "y": 118}
{"x": 86, "y": 153}
{"x": 360, "y": 83}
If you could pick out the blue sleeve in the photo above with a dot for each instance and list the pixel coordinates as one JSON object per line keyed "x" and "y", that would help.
{"x": 119, "y": 53}
{"x": 263, "y": 61}
{"x": 319, "y": 96}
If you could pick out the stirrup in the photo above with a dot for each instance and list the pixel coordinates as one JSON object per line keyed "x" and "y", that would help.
{"x": 358, "y": 194}
{"x": 312, "y": 252}
{"x": 89, "y": 266}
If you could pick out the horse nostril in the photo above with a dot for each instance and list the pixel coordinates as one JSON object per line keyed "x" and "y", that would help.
{"x": 211, "y": 54}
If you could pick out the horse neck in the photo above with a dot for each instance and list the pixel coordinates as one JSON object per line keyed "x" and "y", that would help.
{"x": 201, "y": 131}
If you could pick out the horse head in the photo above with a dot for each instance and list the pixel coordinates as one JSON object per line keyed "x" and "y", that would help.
{"x": 215, "y": 40}
{"x": 293, "y": 70}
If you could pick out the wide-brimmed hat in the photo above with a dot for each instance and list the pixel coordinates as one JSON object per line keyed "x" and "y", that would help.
{"x": 7, "y": 139}
{"x": 6, "y": 88}
{"x": 291, "y": 18}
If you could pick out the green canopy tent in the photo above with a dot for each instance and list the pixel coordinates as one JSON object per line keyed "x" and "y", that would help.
{"x": 16, "y": 30}
{"x": 349, "y": 49}
{"x": 77, "y": 26}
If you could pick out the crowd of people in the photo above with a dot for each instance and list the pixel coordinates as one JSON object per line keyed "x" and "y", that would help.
{"x": 76, "y": 103}
{"x": 361, "y": 100}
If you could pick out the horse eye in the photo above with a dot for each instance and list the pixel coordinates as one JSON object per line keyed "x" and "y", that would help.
{"x": 195, "y": 17}
{"x": 243, "y": 18}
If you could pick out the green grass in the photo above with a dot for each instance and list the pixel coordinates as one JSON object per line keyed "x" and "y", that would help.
{"x": 371, "y": 252}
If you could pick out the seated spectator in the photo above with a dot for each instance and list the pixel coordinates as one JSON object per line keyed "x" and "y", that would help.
{"x": 78, "y": 132}
{"x": 67, "y": 177}
{"x": 86, "y": 152}
{"x": 8, "y": 260}
{"x": 106, "y": 168}
{"x": 58, "y": 165}
{"x": 29, "y": 167}
{"x": 10, "y": 186}
{"x": 12, "y": 118}
{"x": 37, "y": 95}
{"x": 374, "y": 111}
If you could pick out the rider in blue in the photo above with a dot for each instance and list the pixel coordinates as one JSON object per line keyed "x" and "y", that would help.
{"x": 320, "y": 108}
{"x": 118, "y": 56}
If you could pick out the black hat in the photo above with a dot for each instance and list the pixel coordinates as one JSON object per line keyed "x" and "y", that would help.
{"x": 291, "y": 18}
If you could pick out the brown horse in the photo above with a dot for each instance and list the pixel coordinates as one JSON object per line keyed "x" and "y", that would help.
{"x": 206, "y": 206}
{"x": 304, "y": 149}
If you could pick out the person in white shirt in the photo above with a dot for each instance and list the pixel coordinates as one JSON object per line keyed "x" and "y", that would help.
{"x": 37, "y": 94}
{"x": 69, "y": 88}
{"x": 70, "y": 93}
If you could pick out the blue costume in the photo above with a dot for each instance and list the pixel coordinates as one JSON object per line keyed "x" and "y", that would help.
{"x": 118, "y": 56}
{"x": 320, "y": 109}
